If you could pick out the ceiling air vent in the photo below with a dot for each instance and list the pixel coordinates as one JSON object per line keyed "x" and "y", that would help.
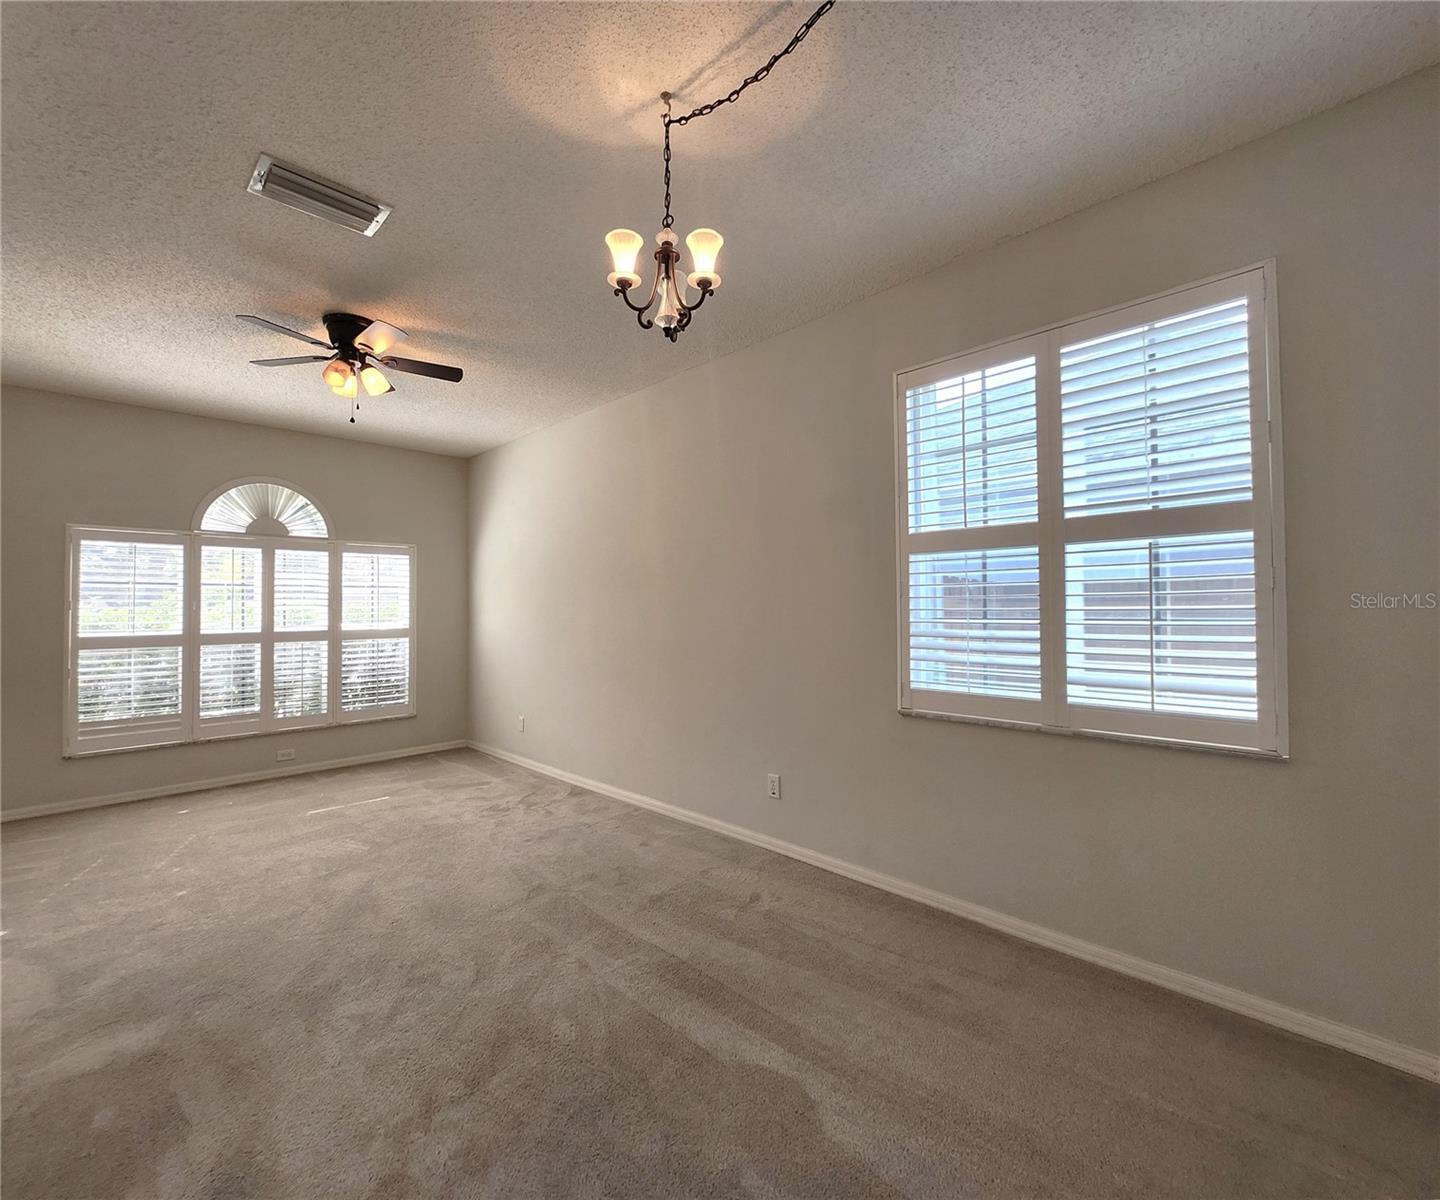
{"x": 317, "y": 197}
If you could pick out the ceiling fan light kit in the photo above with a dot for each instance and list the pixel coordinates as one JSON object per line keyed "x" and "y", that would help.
{"x": 673, "y": 311}
{"x": 358, "y": 347}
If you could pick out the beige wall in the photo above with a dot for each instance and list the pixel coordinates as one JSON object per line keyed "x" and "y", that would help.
{"x": 693, "y": 586}
{"x": 67, "y": 460}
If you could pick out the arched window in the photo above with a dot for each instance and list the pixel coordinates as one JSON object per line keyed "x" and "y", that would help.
{"x": 264, "y": 508}
{"x": 255, "y": 621}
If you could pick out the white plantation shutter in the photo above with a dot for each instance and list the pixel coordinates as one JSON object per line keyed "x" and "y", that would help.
{"x": 1163, "y": 625}
{"x": 128, "y": 683}
{"x": 301, "y": 679}
{"x": 130, "y": 587}
{"x": 374, "y": 673}
{"x": 231, "y": 589}
{"x": 191, "y": 637}
{"x": 127, "y": 655}
{"x": 971, "y": 448}
{"x": 377, "y": 591}
{"x": 975, "y": 622}
{"x": 230, "y": 680}
{"x": 1088, "y": 525}
{"x": 302, "y": 589}
{"x": 1158, "y": 415}
{"x": 267, "y": 502}
{"x": 377, "y": 646}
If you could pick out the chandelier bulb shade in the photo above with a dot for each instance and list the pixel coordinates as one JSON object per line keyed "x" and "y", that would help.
{"x": 704, "y": 247}
{"x": 624, "y": 245}
{"x": 349, "y": 388}
{"x": 672, "y": 309}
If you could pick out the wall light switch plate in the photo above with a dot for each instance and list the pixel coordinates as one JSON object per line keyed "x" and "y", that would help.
{"x": 522, "y": 724}
{"x": 774, "y": 781}
{"x": 284, "y": 755}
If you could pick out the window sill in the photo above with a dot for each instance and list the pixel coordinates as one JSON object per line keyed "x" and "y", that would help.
{"x": 235, "y": 737}
{"x": 1101, "y": 735}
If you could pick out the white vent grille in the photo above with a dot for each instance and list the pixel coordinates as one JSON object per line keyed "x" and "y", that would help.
{"x": 316, "y": 197}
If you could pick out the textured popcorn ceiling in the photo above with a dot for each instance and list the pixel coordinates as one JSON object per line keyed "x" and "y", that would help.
{"x": 510, "y": 137}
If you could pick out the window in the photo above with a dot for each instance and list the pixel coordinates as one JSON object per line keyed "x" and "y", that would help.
{"x": 1088, "y": 522}
{"x": 244, "y": 627}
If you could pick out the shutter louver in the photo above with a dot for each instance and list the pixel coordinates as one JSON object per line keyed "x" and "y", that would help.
{"x": 1163, "y": 625}
{"x": 301, "y": 678}
{"x": 302, "y": 590}
{"x": 1158, "y": 415}
{"x": 971, "y": 449}
{"x": 229, "y": 680}
{"x": 230, "y": 589}
{"x": 376, "y": 591}
{"x": 236, "y": 510}
{"x": 127, "y": 683}
{"x": 130, "y": 588}
{"x": 975, "y": 622}
{"x": 374, "y": 673}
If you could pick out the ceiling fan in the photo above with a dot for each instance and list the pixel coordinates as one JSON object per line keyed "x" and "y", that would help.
{"x": 357, "y": 349}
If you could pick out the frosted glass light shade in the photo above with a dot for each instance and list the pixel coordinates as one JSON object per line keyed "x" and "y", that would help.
{"x": 704, "y": 252}
{"x": 337, "y": 371}
{"x": 624, "y": 247}
{"x": 374, "y": 380}
{"x": 350, "y": 388}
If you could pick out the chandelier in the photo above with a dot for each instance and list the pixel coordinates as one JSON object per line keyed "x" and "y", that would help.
{"x": 667, "y": 290}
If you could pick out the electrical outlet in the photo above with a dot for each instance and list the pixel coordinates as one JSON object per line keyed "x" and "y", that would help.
{"x": 284, "y": 755}
{"x": 774, "y": 782}
{"x": 522, "y": 724}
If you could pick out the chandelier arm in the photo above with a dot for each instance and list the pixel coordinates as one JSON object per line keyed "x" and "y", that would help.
{"x": 624, "y": 294}
{"x": 689, "y": 308}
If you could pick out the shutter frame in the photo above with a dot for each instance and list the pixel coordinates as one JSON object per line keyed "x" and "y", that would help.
{"x": 1262, "y": 514}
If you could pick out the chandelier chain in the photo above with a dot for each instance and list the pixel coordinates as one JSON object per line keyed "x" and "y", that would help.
{"x": 706, "y": 109}
{"x": 669, "y": 220}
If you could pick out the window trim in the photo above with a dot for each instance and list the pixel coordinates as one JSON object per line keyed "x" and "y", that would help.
{"x": 1052, "y": 531}
{"x": 188, "y": 726}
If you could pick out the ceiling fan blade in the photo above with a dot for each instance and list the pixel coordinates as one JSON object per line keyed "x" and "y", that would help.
{"x": 264, "y": 324}
{"x": 416, "y": 367}
{"x": 289, "y": 362}
{"x": 378, "y": 337}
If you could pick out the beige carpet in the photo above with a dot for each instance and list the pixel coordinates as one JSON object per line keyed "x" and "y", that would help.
{"x": 447, "y": 977}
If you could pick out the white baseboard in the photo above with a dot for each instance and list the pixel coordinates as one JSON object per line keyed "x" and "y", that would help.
{"x": 202, "y": 785}
{"x": 1319, "y": 1029}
